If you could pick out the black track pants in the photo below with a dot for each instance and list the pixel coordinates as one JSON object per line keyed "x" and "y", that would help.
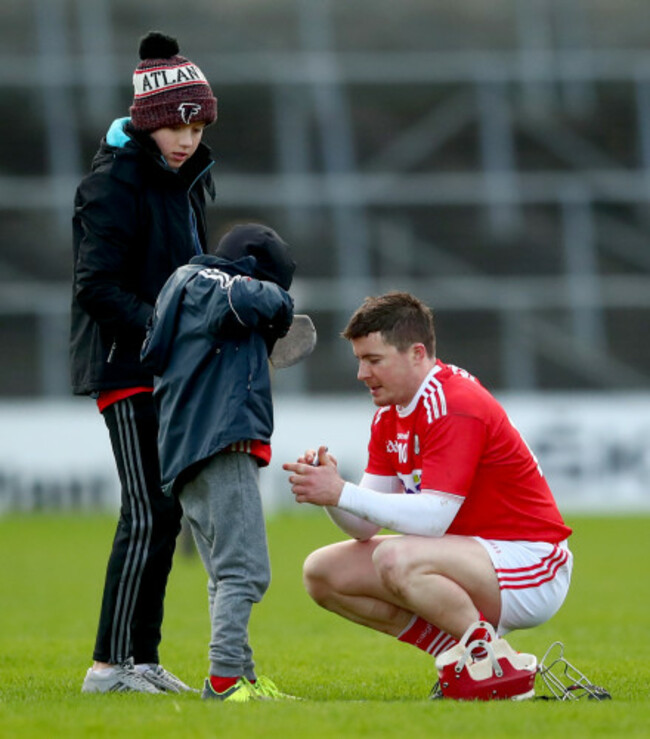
{"x": 143, "y": 547}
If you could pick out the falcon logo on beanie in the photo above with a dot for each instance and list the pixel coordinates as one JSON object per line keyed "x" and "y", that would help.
{"x": 168, "y": 88}
{"x": 189, "y": 111}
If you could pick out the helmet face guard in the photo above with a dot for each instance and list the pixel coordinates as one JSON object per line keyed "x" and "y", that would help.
{"x": 485, "y": 669}
{"x": 564, "y": 680}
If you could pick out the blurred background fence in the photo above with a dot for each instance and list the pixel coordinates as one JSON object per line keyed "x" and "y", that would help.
{"x": 491, "y": 157}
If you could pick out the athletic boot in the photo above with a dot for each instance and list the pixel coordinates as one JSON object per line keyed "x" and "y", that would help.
{"x": 121, "y": 678}
{"x": 266, "y": 689}
{"x": 162, "y": 679}
{"x": 241, "y": 692}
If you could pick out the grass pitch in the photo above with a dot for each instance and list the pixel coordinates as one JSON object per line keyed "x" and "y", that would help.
{"x": 357, "y": 683}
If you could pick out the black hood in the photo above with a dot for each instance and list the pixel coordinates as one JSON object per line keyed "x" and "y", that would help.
{"x": 272, "y": 259}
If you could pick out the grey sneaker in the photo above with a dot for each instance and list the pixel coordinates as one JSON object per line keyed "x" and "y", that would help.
{"x": 120, "y": 678}
{"x": 162, "y": 679}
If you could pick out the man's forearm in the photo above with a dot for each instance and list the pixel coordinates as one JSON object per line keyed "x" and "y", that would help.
{"x": 354, "y": 526}
{"x": 426, "y": 514}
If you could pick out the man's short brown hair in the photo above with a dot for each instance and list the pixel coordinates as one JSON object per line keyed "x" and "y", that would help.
{"x": 400, "y": 317}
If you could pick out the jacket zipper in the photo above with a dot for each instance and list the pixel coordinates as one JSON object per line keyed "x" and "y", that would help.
{"x": 193, "y": 225}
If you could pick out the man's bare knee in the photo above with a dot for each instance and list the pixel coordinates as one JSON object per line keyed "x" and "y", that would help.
{"x": 315, "y": 575}
{"x": 391, "y": 565}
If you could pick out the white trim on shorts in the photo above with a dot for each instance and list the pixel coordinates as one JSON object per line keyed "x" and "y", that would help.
{"x": 534, "y": 579}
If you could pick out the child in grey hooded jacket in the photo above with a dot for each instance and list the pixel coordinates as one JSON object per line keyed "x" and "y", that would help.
{"x": 214, "y": 325}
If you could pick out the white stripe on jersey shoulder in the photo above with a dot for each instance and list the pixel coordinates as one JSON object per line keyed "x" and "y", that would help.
{"x": 463, "y": 373}
{"x": 424, "y": 389}
{"x": 434, "y": 400}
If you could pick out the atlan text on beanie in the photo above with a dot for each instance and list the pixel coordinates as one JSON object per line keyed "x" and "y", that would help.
{"x": 169, "y": 90}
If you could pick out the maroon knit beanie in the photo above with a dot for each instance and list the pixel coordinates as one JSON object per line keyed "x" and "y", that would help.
{"x": 169, "y": 90}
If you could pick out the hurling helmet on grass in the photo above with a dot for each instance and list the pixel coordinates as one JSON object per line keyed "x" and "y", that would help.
{"x": 490, "y": 669}
{"x": 498, "y": 673}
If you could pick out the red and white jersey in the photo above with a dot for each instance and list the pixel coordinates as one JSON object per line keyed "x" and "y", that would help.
{"x": 454, "y": 437}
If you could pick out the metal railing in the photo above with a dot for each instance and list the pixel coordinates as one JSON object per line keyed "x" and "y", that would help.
{"x": 550, "y": 74}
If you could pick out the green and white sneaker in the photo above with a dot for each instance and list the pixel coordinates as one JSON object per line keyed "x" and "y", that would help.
{"x": 241, "y": 692}
{"x": 266, "y": 689}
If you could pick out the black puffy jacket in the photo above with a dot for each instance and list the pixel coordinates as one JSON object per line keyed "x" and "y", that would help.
{"x": 132, "y": 227}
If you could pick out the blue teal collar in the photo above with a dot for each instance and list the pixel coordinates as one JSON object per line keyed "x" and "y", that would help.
{"x": 116, "y": 135}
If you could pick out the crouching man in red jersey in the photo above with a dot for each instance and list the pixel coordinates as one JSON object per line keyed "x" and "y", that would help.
{"x": 480, "y": 535}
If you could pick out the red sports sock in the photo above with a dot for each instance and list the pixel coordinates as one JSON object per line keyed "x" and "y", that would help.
{"x": 221, "y": 684}
{"x": 431, "y": 639}
{"x": 426, "y": 636}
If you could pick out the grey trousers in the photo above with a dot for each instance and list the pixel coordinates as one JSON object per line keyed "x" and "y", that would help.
{"x": 224, "y": 509}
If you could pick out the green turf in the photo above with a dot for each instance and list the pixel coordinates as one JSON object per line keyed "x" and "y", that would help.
{"x": 358, "y": 683}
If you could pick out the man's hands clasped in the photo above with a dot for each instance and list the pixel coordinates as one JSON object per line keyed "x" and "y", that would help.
{"x": 315, "y": 479}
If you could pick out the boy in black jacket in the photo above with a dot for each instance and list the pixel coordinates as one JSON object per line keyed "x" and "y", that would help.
{"x": 215, "y": 323}
{"x": 139, "y": 214}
